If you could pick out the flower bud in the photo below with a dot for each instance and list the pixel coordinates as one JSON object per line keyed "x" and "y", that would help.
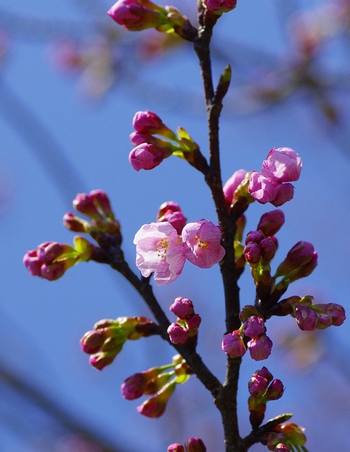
{"x": 177, "y": 334}
{"x": 195, "y": 445}
{"x": 171, "y": 212}
{"x": 232, "y": 184}
{"x": 275, "y": 390}
{"x": 281, "y": 448}
{"x": 182, "y": 307}
{"x": 297, "y": 257}
{"x": 101, "y": 201}
{"x": 137, "y": 15}
{"x": 103, "y": 359}
{"x": 254, "y": 236}
{"x": 271, "y": 222}
{"x": 176, "y": 448}
{"x": 306, "y": 317}
{"x": 257, "y": 385}
{"x": 74, "y": 223}
{"x": 147, "y": 156}
{"x": 220, "y": 6}
{"x": 83, "y": 203}
{"x": 233, "y": 345}
{"x": 193, "y": 321}
{"x": 260, "y": 347}
{"x": 155, "y": 406}
{"x": 254, "y": 326}
{"x": 252, "y": 254}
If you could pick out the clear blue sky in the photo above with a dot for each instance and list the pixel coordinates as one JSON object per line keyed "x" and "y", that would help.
{"x": 42, "y": 111}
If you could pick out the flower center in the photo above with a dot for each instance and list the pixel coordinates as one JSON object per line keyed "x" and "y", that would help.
{"x": 162, "y": 248}
{"x": 200, "y": 243}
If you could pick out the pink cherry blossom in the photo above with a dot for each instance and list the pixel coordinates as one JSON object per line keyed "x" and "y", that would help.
{"x": 202, "y": 243}
{"x": 272, "y": 183}
{"x": 159, "y": 250}
{"x": 284, "y": 164}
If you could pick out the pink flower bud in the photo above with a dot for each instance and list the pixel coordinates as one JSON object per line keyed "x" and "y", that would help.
{"x": 182, "y": 307}
{"x": 195, "y": 445}
{"x": 155, "y": 406}
{"x": 83, "y": 203}
{"x": 262, "y": 188}
{"x": 147, "y": 156}
{"x": 252, "y": 254}
{"x": 32, "y": 262}
{"x": 133, "y": 387}
{"x": 92, "y": 341}
{"x": 254, "y": 326}
{"x": 284, "y": 164}
{"x": 297, "y": 257}
{"x": 232, "y": 184}
{"x": 220, "y": 6}
{"x": 271, "y": 222}
{"x": 336, "y": 312}
{"x": 74, "y": 223}
{"x": 275, "y": 390}
{"x": 306, "y": 317}
{"x": 254, "y": 237}
{"x": 268, "y": 249}
{"x": 193, "y": 321}
{"x": 257, "y": 385}
{"x": 147, "y": 122}
{"x": 171, "y": 212}
{"x": 54, "y": 271}
{"x": 102, "y": 202}
{"x": 202, "y": 243}
{"x": 177, "y": 334}
{"x": 136, "y": 15}
{"x": 102, "y": 359}
{"x": 260, "y": 347}
{"x": 176, "y": 448}
{"x": 233, "y": 344}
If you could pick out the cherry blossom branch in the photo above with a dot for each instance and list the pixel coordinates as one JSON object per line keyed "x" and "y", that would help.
{"x": 227, "y": 398}
{"x": 112, "y": 254}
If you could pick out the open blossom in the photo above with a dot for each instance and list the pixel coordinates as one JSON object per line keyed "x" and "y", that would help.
{"x": 272, "y": 183}
{"x": 159, "y": 250}
{"x": 202, "y": 239}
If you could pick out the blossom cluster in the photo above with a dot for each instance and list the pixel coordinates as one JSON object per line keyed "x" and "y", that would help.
{"x": 313, "y": 316}
{"x": 108, "y": 337}
{"x": 272, "y": 182}
{"x": 51, "y": 259}
{"x": 150, "y": 150}
{"x": 160, "y": 382}
{"x": 187, "y": 323}
{"x": 162, "y": 250}
{"x": 262, "y": 388}
{"x": 260, "y": 345}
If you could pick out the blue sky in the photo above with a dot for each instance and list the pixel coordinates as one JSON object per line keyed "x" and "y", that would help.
{"x": 44, "y": 113}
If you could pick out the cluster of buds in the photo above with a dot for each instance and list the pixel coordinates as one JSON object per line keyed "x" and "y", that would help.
{"x": 157, "y": 381}
{"x": 51, "y": 259}
{"x": 106, "y": 340}
{"x": 137, "y": 15}
{"x": 191, "y": 445}
{"x": 150, "y": 150}
{"x": 262, "y": 388}
{"x": 97, "y": 207}
{"x": 187, "y": 323}
{"x": 310, "y": 317}
{"x": 272, "y": 183}
{"x": 260, "y": 345}
{"x": 163, "y": 247}
{"x": 286, "y": 438}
